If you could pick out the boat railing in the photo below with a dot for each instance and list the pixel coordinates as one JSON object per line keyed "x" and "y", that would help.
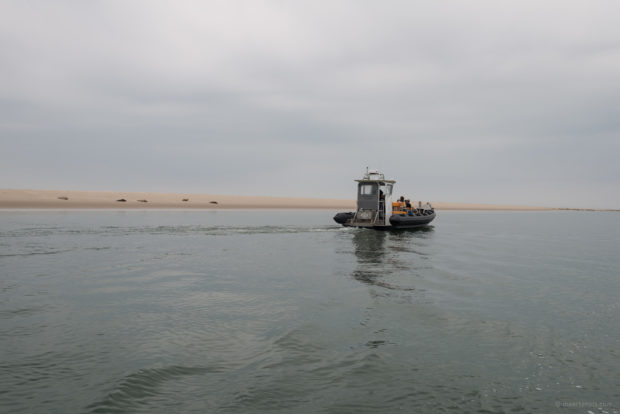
{"x": 363, "y": 217}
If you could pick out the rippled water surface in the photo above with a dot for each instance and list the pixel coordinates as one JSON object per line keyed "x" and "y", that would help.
{"x": 286, "y": 312}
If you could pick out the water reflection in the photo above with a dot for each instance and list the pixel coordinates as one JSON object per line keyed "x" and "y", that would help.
{"x": 381, "y": 254}
{"x": 369, "y": 246}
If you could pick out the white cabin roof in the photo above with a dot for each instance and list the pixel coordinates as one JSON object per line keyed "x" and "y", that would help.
{"x": 374, "y": 176}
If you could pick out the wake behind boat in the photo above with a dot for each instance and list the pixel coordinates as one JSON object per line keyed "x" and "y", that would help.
{"x": 375, "y": 208}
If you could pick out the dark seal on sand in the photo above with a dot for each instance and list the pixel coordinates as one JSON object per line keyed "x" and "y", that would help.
{"x": 122, "y": 200}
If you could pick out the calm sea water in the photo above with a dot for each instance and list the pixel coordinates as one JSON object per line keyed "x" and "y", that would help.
{"x": 286, "y": 312}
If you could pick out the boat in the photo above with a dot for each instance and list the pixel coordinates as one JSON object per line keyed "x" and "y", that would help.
{"x": 376, "y": 208}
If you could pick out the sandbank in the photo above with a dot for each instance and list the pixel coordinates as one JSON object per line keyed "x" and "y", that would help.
{"x": 63, "y": 199}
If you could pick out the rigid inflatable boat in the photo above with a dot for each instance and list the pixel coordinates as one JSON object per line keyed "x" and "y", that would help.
{"x": 377, "y": 210}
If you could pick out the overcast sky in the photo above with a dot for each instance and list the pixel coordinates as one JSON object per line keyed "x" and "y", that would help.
{"x": 473, "y": 101}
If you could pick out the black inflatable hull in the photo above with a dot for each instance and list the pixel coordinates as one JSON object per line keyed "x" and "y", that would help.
{"x": 405, "y": 222}
{"x": 342, "y": 218}
{"x": 396, "y": 221}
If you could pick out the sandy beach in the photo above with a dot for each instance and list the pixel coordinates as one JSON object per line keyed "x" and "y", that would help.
{"x": 60, "y": 199}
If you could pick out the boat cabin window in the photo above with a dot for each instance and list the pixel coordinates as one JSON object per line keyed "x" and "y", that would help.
{"x": 367, "y": 189}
